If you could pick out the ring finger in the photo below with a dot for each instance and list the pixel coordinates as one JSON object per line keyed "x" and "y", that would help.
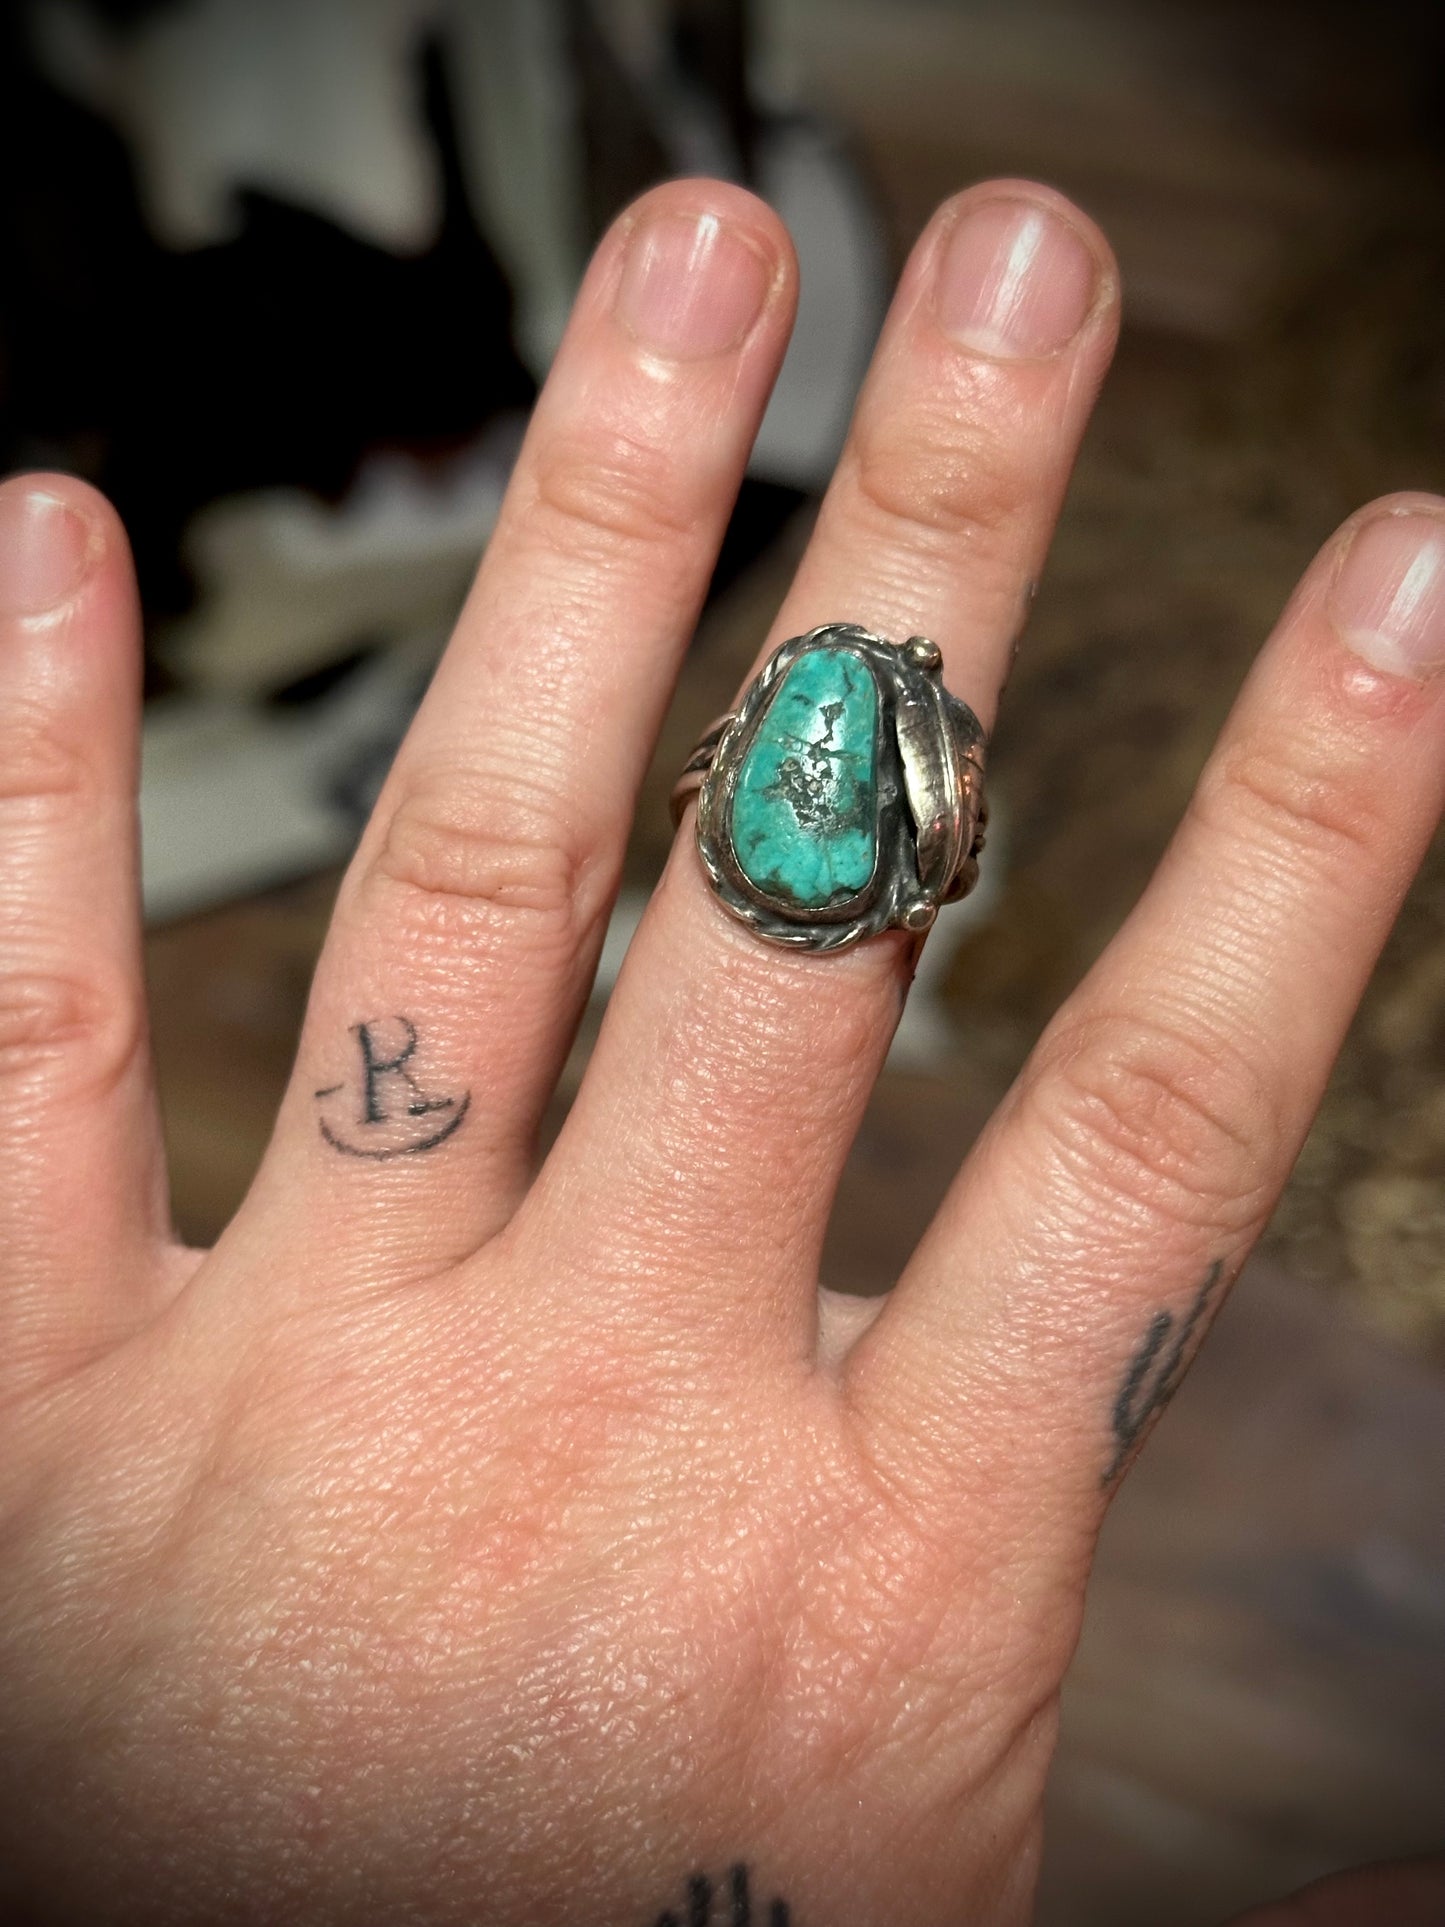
{"x": 730, "y": 1075}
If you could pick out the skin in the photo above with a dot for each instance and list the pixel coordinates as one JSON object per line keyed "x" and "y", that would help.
{"x": 460, "y": 1541}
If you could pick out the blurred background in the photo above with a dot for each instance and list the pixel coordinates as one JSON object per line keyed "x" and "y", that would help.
{"x": 283, "y": 276}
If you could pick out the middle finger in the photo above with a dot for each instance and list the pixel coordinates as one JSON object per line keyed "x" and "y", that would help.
{"x": 730, "y": 1076}
{"x": 467, "y": 931}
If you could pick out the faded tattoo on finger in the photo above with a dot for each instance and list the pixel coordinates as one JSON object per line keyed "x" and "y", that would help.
{"x": 1156, "y": 1366}
{"x": 382, "y": 1110}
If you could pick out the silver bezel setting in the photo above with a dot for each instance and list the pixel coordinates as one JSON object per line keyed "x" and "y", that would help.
{"x": 929, "y": 765}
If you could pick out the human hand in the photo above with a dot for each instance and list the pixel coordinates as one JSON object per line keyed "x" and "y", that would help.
{"x": 459, "y": 1543}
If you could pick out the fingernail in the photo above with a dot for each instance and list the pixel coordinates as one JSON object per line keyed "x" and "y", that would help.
{"x": 1388, "y": 600}
{"x": 691, "y": 286}
{"x": 1014, "y": 280}
{"x": 46, "y": 550}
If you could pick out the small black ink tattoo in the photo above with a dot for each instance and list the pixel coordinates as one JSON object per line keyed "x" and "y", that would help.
{"x": 388, "y": 1115}
{"x": 728, "y": 1906}
{"x": 1154, "y": 1372}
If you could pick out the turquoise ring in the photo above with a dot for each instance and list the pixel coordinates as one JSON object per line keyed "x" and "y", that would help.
{"x": 844, "y": 795}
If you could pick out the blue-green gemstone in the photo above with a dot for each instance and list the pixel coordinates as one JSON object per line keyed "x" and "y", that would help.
{"x": 804, "y": 810}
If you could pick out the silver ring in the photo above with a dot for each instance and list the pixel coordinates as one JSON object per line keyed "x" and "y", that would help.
{"x": 844, "y": 795}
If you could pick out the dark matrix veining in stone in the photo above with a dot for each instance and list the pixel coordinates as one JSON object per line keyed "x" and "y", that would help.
{"x": 804, "y": 809}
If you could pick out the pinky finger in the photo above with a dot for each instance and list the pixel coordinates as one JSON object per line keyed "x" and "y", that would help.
{"x": 81, "y": 1198}
{"x": 1091, "y": 1236}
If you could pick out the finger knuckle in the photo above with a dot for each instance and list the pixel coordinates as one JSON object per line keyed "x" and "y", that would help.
{"x": 1179, "y": 1124}
{"x": 935, "y": 482}
{"x": 48, "y": 1019}
{"x": 1287, "y": 799}
{"x": 455, "y": 850}
{"x": 40, "y": 761}
{"x": 609, "y": 496}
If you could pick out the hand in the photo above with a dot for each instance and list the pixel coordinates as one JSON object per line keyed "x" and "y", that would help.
{"x": 458, "y": 1543}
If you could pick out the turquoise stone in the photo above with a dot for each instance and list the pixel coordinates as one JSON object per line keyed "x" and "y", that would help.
{"x": 804, "y": 809}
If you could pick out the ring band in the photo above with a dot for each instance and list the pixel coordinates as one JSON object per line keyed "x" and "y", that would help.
{"x": 844, "y": 795}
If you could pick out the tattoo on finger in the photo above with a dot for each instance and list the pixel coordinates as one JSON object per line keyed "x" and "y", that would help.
{"x": 382, "y": 1110}
{"x": 1156, "y": 1366}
